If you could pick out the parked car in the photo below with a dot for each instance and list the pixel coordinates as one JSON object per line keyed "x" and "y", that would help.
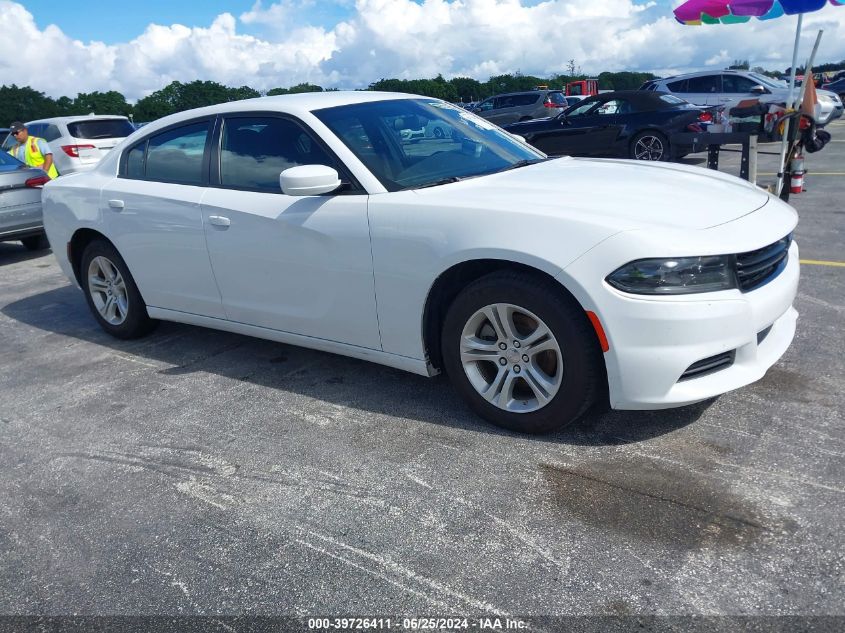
{"x": 537, "y": 284}
{"x": 714, "y": 88}
{"x": 625, "y": 124}
{"x": 521, "y": 106}
{"x": 20, "y": 203}
{"x": 78, "y": 142}
{"x": 837, "y": 86}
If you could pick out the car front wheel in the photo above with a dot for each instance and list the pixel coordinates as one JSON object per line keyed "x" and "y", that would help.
{"x": 521, "y": 352}
{"x": 650, "y": 145}
{"x": 111, "y": 292}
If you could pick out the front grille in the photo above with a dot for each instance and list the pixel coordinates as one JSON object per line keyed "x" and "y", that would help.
{"x": 709, "y": 365}
{"x": 755, "y": 268}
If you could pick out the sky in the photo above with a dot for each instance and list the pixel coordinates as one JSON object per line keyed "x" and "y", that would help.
{"x": 139, "y": 47}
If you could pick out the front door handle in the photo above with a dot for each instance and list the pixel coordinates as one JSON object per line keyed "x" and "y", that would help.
{"x": 218, "y": 220}
{"x": 117, "y": 205}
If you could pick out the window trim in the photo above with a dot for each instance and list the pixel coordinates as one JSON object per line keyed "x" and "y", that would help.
{"x": 349, "y": 184}
{"x": 121, "y": 171}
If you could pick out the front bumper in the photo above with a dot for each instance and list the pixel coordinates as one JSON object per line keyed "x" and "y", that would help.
{"x": 654, "y": 341}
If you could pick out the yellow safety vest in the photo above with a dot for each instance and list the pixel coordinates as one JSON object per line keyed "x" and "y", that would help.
{"x": 35, "y": 158}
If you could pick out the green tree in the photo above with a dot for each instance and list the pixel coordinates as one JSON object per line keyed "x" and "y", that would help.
{"x": 24, "y": 104}
{"x": 177, "y": 97}
{"x": 111, "y": 102}
{"x": 468, "y": 89}
{"x": 304, "y": 87}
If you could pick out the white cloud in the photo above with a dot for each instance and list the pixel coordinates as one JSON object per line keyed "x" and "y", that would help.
{"x": 398, "y": 38}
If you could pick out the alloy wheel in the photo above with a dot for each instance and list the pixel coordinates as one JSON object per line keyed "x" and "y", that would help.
{"x": 108, "y": 290}
{"x": 648, "y": 148}
{"x": 511, "y": 358}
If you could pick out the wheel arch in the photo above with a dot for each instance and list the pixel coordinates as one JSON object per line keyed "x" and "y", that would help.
{"x": 77, "y": 245}
{"x": 452, "y": 280}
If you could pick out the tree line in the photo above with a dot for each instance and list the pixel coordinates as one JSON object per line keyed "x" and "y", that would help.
{"x": 26, "y": 104}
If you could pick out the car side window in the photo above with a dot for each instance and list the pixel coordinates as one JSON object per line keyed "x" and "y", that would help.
{"x": 678, "y": 86}
{"x": 705, "y": 84}
{"x": 255, "y": 150}
{"x": 486, "y": 105}
{"x": 614, "y": 106}
{"x": 585, "y": 107}
{"x": 177, "y": 155}
{"x": 51, "y": 133}
{"x": 737, "y": 84}
{"x": 9, "y": 143}
{"x": 526, "y": 100}
{"x": 135, "y": 161}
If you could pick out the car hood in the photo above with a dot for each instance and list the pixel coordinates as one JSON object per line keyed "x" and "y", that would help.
{"x": 620, "y": 194}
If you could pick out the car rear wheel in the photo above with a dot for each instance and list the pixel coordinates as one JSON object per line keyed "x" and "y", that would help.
{"x": 112, "y": 294}
{"x": 649, "y": 145}
{"x": 36, "y": 243}
{"x": 521, "y": 353}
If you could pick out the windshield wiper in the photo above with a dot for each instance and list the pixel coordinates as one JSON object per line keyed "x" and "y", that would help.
{"x": 522, "y": 163}
{"x": 436, "y": 183}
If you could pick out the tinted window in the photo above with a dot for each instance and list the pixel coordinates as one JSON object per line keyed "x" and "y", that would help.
{"x": 51, "y": 133}
{"x": 735, "y": 83}
{"x": 486, "y": 105}
{"x": 36, "y": 129}
{"x": 678, "y": 86}
{"x": 557, "y": 98}
{"x": 255, "y": 150}
{"x": 514, "y": 101}
{"x": 707, "y": 83}
{"x": 586, "y": 106}
{"x": 176, "y": 155}
{"x": 101, "y": 128}
{"x": 135, "y": 161}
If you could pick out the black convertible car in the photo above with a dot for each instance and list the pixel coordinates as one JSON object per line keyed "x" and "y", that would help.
{"x": 626, "y": 124}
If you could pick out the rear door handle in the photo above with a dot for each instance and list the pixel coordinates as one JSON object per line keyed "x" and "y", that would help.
{"x": 218, "y": 220}
{"x": 116, "y": 204}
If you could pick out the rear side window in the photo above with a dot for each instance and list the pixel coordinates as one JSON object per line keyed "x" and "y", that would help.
{"x": 557, "y": 98}
{"x": 255, "y": 150}
{"x": 177, "y": 155}
{"x": 51, "y": 133}
{"x": 100, "y": 128}
{"x": 678, "y": 86}
{"x": 706, "y": 84}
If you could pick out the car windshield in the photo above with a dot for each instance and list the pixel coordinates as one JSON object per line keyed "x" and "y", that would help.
{"x": 101, "y": 128}
{"x": 413, "y": 143}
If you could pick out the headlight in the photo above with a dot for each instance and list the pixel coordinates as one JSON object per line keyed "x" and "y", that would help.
{"x": 674, "y": 276}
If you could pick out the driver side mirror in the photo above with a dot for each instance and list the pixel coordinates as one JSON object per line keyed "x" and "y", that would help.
{"x": 759, "y": 90}
{"x": 308, "y": 180}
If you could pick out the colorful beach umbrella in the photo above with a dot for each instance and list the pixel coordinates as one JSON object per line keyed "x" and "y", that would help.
{"x": 697, "y": 12}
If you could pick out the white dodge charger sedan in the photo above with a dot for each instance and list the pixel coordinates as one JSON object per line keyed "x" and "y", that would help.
{"x": 539, "y": 285}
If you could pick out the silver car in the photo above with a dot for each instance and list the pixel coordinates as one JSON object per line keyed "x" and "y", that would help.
{"x": 20, "y": 203}
{"x": 78, "y": 142}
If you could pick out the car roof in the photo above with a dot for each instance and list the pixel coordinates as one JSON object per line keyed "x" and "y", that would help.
{"x": 295, "y": 104}
{"x": 705, "y": 72}
{"x": 74, "y": 119}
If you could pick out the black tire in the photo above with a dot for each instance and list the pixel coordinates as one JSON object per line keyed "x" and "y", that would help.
{"x": 646, "y": 139}
{"x": 136, "y": 321}
{"x": 36, "y": 243}
{"x": 581, "y": 368}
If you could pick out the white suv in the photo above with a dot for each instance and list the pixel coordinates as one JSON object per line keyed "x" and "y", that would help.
{"x": 713, "y": 88}
{"x": 78, "y": 142}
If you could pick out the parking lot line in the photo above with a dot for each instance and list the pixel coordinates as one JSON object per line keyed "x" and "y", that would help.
{"x": 816, "y": 262}
{"x": 812, "y": 173}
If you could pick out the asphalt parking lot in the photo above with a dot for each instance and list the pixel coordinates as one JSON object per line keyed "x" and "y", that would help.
{"x": 199, "y": 472}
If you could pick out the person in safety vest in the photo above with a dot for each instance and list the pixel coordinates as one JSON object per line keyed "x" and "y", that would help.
{"x": 32, "y": 150}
